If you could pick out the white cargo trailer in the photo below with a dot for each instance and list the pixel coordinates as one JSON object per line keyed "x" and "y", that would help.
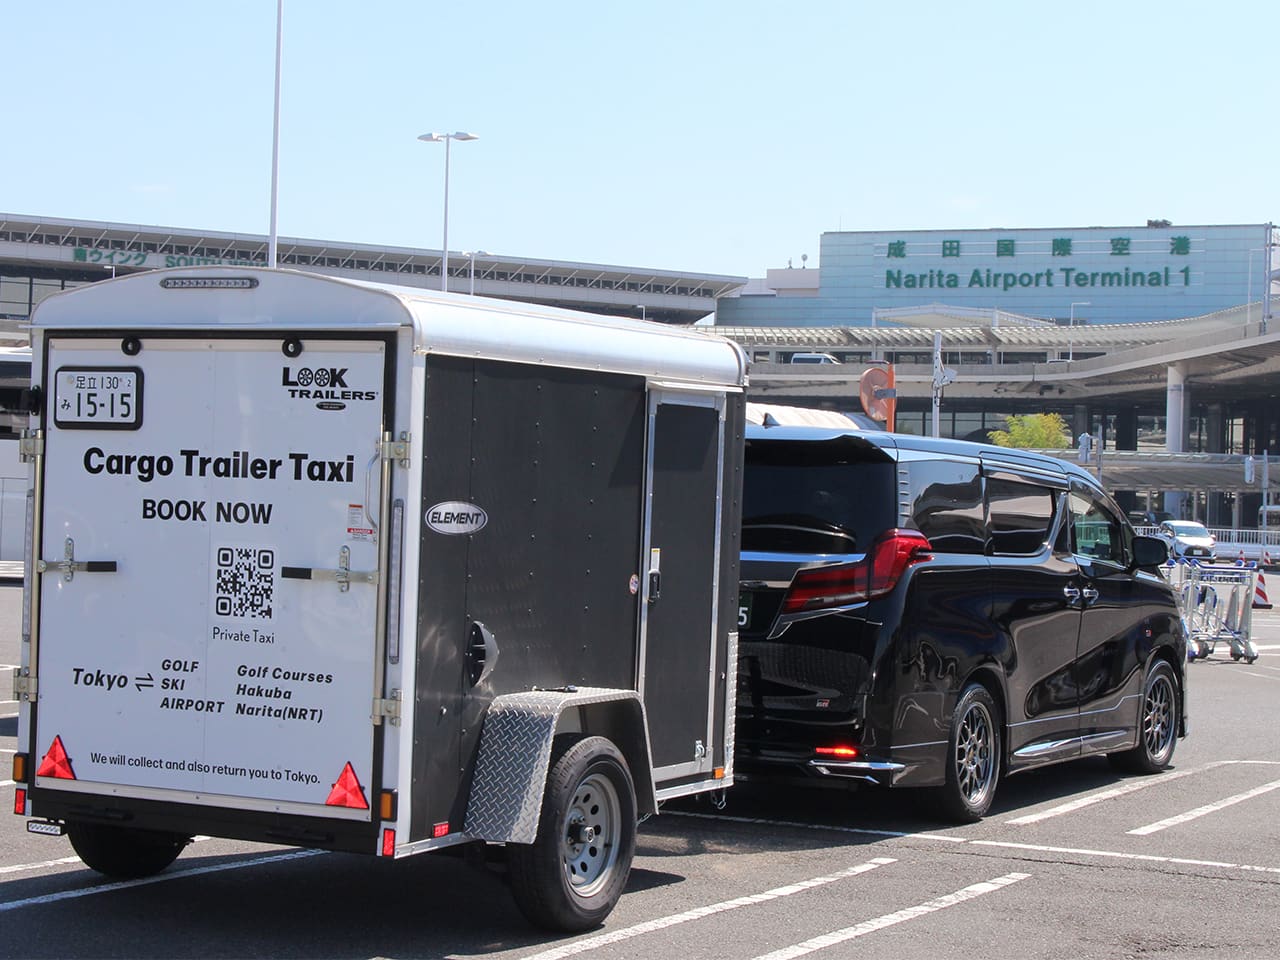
{"x": 370, "y": 568}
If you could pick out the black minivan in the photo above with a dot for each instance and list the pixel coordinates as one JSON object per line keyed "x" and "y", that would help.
{"x": 937, "y": 613}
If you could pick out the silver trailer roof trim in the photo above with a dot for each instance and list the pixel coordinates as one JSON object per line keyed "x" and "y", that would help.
{"x": 443, "y": 323}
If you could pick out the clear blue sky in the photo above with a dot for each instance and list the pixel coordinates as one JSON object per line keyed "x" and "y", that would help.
{"x": 719, "y": 137}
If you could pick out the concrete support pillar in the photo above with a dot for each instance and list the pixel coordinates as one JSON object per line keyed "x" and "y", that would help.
{"x": 1215, "y": 442}
{"x": 1127, "y": 429}
{"x": 1175, "y": 420}
{"x": 1079, "y": 421}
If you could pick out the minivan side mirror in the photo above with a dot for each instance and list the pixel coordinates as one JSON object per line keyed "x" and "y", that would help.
{"x": 1149, "y": 551}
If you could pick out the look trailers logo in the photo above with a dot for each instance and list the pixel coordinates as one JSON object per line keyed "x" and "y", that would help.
{"x": 327, "y": 385}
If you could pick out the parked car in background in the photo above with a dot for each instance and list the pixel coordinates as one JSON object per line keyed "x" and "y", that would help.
{"x": 1186, "y": 538}
{"x": 936, "y": 613}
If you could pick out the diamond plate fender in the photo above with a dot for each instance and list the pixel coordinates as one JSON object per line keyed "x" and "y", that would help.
{"x": 515, "y": 753}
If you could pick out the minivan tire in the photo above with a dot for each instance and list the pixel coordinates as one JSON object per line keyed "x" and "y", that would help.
{"x": 1157, "y": 724}
{"x": 973, "y": 757}
{"x": 573, "y": 873}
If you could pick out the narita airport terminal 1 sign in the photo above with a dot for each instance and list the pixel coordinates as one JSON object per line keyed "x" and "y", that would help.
{"x": 1002, "y": 278}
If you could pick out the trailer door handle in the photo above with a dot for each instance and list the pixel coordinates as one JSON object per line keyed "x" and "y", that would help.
{"x": 655, "y": 585}
{"x": 69, "y": 564}
{"x": 344, "y": 576}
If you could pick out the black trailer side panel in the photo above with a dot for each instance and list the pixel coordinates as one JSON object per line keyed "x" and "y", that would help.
{"x": 555, "y": 459}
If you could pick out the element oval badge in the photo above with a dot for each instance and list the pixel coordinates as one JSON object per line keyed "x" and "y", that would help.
{"x": 456, "y": 518}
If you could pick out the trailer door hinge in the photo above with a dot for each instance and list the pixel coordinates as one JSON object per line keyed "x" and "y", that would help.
{"x": 397, "y": 450}
{"x": 30, "y": 445}
{"x": 388, "y": 707}
{"x": 24, "y": 687}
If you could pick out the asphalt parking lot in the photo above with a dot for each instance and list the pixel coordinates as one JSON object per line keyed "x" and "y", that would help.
{"x": 1074, "y": 860}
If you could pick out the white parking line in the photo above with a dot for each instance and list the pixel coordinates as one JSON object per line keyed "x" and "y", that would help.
{"x": 1131, "y": 786}
{"x": 1090, "y": 799}
{"x": 24, "y": 867}
{"x": 890, "y": 919}
{"x": 662, "y": 923}
{"x": 891, "y": 834}
{"x": 1030, "y": 847}
{"x": 1206, "y": 809}
{"x": 1117, "y": 855}
{"x": 159, "y": 878}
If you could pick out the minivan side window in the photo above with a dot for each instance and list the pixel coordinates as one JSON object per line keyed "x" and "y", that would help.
{"x": 1098, "y": 533}
{"x": 946, "y": 505}
{"x": 1021, "y": 516}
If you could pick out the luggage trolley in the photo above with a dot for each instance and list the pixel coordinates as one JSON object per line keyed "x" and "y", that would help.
{"x": 1217, "y": 606}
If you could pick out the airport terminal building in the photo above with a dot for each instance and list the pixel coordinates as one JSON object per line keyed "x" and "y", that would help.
{"x": 1090, "y": 274}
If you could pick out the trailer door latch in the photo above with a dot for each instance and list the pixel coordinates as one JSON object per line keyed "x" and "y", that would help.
{"x": 344, "y": 576}
{"x": 69, "y": 564}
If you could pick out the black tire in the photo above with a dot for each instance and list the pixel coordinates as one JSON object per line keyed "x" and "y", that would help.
{"x": 124, "y": 852}
{"x": 571, "y": 876}
{"x": 973, "y": 757}
{"x": 1157, "y": 724}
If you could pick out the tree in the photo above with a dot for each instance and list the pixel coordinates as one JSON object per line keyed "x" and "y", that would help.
{"x": 1039, "y": 431}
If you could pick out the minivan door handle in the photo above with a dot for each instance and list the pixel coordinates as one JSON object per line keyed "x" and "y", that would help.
{"x": 1090, "y": 596}
{"x": 1073, "y": 595}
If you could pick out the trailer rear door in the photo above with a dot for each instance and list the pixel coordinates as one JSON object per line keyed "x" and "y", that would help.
{"x": 207, "y": 618}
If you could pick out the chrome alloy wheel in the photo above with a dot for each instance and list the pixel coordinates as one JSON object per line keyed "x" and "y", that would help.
{"x": 591, "y": 830}
{"x": 975, "y": 759}
{"x": 1157, "y": 718}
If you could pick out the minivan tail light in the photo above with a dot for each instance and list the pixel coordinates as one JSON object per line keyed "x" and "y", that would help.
{"x": 877, "y": 573}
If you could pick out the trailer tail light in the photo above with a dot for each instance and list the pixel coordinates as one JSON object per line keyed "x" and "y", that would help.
{"x": 440, "y": 830}
{"x": 19, "y": 768}
{"x": 20, "y": 801}
{"x": 877, "y": 573}
{"x": 388, "y": 842}
{"x": 839, "y": 752}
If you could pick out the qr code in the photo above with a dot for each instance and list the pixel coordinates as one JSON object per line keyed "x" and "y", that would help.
{"x": 245, "y": 577}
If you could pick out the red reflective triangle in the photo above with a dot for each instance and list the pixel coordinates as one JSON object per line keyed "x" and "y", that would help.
{"x": 347, "y": 792}
{"x": 56, "y": 763}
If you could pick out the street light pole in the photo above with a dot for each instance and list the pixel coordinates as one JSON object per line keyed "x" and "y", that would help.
{"x": 272, "y": 241}
{"x": 473, "y": 254}
{"x": 446, "y": 138}
{"x": 1071, "y": 327}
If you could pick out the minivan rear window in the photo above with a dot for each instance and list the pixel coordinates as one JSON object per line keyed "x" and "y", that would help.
{"x": 816, "y": 497}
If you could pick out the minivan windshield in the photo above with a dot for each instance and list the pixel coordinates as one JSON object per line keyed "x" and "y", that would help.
{"x": 815, "y": 497}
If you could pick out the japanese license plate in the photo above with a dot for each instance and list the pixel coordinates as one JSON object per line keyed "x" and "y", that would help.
{"x": 97, "y": 398}
{"x": 744, "y": 610}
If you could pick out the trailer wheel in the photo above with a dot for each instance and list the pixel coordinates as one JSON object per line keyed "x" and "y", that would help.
{"x": 124, "y": 852}
{"x": 1157, "y": 724}
{"x": 572, "y": 874}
